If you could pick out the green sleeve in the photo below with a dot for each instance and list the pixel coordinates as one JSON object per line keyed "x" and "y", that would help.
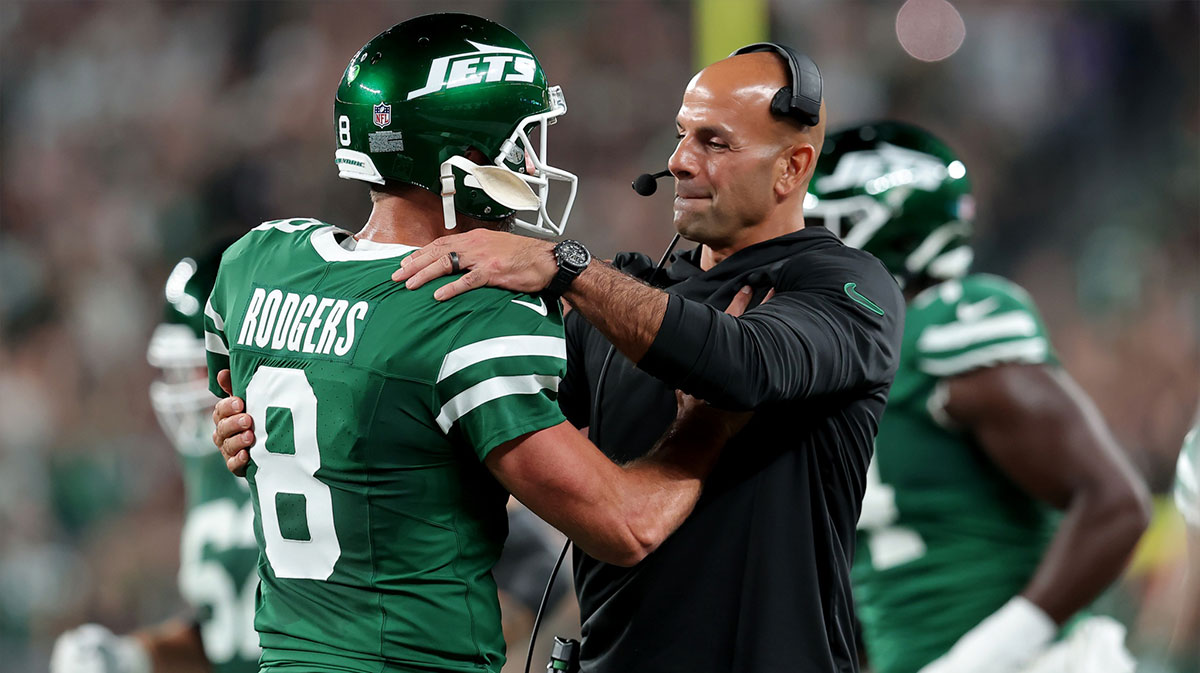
{"x": 990, "y": 322}
{"x": 499, "y": 377}
{"x": 215, "y": 342}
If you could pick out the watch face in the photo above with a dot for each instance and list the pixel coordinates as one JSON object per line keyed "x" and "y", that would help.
{"x": 572, "y": 253}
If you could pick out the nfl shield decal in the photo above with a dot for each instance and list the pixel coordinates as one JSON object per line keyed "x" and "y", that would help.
{"x": 383, "y": 115}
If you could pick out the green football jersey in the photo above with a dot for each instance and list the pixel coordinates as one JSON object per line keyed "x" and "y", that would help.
{"x": 945, "y": 538}
{"x": 374, "y": 408}
{"x": 218, "y": 568}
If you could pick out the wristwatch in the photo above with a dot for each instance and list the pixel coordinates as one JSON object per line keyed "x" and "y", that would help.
{"x": 572, "y": 258}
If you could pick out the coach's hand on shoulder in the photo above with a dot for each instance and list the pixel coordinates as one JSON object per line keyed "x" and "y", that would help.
{"x": 234, "y": 434}
{"x": 490, "y": 258}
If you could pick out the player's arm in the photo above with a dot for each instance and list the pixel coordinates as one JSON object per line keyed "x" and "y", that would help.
{"x": 1041, "y": 430}
{"x": 175, "y": 646}
{"x": 172, "y": 646}
{"x": 617, "y": 514}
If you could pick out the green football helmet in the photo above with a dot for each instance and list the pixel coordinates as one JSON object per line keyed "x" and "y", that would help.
{"x": 180, "y": 395}
{"x": 419, "y": 95}
{"x": 898, "y": 192}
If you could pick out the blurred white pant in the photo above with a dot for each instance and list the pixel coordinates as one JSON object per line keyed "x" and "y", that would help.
{"x": 1096, "y": 645}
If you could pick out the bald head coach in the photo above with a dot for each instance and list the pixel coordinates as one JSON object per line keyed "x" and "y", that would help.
{"x": 757, "y": 579}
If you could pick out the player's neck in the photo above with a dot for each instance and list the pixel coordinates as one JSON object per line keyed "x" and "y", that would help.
{"x": 413, "y": 219}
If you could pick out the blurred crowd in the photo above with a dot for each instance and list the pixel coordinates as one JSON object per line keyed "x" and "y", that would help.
{"x": 133, "y": 133}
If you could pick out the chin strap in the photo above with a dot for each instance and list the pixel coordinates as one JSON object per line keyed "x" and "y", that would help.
{"x": 448, "y": 195}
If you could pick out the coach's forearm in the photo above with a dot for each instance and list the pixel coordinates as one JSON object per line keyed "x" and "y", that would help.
{"x": 625, "y": 310}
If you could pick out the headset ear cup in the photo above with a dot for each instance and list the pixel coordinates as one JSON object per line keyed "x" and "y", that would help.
{"x": 781, "y": 104}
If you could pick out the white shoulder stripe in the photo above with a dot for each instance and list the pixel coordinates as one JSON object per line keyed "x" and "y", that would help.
{"x": 492, "y": 389}
{"x": 1025, "y": 351}
{"x": 961, "y": 334}
{"x": 213, "y": 344}
{"x": 290, "y": 225}
{"x": 212, "y": 313}
{"x": 502, "y": 347}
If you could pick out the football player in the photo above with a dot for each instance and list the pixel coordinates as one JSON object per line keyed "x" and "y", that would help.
{"x": 390, "y": 428}
{"x": 962, "y": 563}
{"x": 218, "y": 554}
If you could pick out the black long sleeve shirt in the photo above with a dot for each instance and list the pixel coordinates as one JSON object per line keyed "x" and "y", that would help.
{"x": 757, "y": 578}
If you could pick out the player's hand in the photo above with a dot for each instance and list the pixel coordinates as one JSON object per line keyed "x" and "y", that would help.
{"x": 741, "y": 300}
{"x": 490, "y": 258}
{"x": 91, "y": 648}
{"x": 234, "y": 434}
{"x": 696, "y": 416}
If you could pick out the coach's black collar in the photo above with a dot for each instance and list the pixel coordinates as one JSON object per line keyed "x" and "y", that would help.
{"x": 686, "y": 265}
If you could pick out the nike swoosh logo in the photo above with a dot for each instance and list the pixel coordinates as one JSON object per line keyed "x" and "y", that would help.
{"x": 972, "y": 312}
{"x": 539, "y": 307}
{"x": 862, "y": 301}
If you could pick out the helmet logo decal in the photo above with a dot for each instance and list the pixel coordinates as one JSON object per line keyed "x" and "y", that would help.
{"x": 457, "y": 70}
{"x": 883, "y": 168}
{"x": 383, "y": 115}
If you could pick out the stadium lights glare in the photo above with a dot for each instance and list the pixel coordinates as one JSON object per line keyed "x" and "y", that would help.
{"x": 930, "y": 30}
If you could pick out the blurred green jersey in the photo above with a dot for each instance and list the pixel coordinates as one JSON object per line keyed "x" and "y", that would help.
{"x": 374, "y": 407}
{"x": 945, "y": 538}
{"x": 218, "y": 560}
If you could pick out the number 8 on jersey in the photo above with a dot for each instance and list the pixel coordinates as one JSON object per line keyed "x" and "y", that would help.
{"x": 297, "y": 509}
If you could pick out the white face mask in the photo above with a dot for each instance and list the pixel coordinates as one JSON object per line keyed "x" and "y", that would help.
{"x": 181, "y": 398}
{"x": 516, "y": 190}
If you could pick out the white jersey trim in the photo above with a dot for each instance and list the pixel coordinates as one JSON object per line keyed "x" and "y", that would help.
{"x": 1025, "y": 351}
{"x": 962, "y": 334}
{"x": 213, "y": 344}
{"x": 212, "y": 313}
{"x": 492, "y": 389}
{"x": 502, "y": 347}
{"x": 324, "y": 241}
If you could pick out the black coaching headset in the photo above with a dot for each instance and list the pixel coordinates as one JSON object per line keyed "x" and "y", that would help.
{"x": 800, "y": 100}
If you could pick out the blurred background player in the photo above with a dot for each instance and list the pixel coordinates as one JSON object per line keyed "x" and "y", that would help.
{"x": 961, "y": 563}
{"x": 218, "y": 554}
{"x": 1185, "y": 646}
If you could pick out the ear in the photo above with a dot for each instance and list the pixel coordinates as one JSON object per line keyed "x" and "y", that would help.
{"x": 796, "y": 163}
